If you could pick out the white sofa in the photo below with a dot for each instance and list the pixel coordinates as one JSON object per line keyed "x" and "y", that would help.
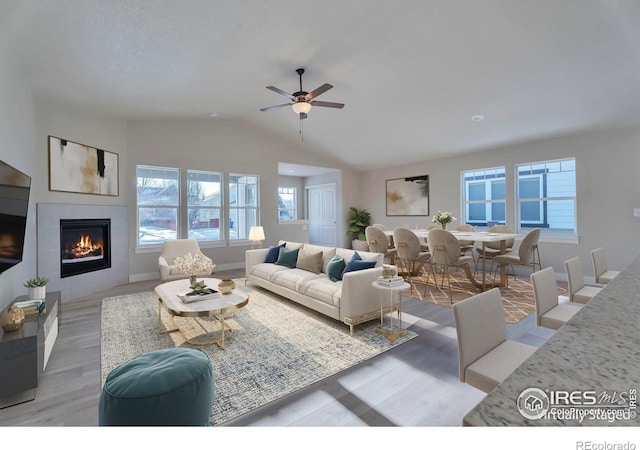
{"x": 352, "y": 300}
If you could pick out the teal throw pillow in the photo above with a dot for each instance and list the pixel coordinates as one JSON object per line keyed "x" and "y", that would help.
{"x": 356, "y": 263}
{"x": 335, "y": 268}
{"x": 273, "y": 253}
{"x": 287, "y": 258}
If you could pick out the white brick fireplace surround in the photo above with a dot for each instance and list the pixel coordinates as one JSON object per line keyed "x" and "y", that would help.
{"x": 48, "y": 245}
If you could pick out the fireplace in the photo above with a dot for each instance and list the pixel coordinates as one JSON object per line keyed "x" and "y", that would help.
{"x": 84, "y": 246}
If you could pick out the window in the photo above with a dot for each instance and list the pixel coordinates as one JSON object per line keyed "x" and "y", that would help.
{"x": 204, "y": 205}
{"x": 243, "y": 205}
{"x": 287, "y": 203}
{"x": 546, "y": 196}
{"x": 484, "y": 196}
{"x": 158, "y": 195}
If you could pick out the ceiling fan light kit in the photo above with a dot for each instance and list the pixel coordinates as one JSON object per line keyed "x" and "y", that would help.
{"x": 302, "y": 101}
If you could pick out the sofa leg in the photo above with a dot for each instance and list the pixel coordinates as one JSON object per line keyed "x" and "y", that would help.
{"x": 351, "y": 330}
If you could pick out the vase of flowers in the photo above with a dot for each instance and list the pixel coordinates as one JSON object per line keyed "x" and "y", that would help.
{"x": 192, "y": 265}
{"x": 443, "y": 218}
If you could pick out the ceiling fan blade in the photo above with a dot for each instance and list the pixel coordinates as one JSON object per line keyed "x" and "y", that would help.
{"x": 313, "y": 94}
{"x": 328, "y": 104}
{"x": 275, "y": 106}
{"x": 280, "y": 91}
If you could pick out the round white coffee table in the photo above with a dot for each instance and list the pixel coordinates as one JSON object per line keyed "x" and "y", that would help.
{"x": 219, "y": 307}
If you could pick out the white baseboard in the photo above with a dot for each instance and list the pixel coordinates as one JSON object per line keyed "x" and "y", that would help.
{"x": 135, "y": 277}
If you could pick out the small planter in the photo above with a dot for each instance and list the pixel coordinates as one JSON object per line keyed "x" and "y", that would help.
{"x": 37, "y": 293}
{"x": 362, "y": 246}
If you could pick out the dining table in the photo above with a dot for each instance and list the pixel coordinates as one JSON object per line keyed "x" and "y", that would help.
{"x": 483, "y": 237}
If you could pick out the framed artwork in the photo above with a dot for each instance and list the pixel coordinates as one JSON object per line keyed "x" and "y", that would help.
{"x": 79, "y": 168}
{"x": 408, "y": 196}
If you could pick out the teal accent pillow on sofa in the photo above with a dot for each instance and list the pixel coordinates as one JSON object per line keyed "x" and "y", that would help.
{"x": 288, "y": 258}
{"x": 335, "y": 268}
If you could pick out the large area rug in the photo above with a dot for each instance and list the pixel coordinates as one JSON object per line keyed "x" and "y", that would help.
{"x": 517, "y": 297}
{"x": 278, "y": 347}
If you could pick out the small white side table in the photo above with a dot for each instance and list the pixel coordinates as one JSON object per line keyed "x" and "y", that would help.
{"x": 391, "y": 332}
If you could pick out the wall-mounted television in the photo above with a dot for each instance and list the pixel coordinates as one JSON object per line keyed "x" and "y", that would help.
{"x": 14, "y": 203}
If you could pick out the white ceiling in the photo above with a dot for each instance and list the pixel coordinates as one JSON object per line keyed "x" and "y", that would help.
{"x": 412, "y": 73}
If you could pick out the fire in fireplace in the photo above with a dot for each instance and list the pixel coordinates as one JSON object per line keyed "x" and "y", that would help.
{"x": 84, "y": 246}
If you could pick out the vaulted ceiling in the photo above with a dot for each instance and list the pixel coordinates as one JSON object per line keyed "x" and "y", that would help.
{"x": 412, "y": 73}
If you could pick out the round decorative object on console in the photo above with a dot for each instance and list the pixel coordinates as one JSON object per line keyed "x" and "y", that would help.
{"x": 226, "y": 286}
{"x": 12, "y": 318}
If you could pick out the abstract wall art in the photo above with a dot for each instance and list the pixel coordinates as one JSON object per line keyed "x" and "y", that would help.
{"x": 408, "y": 196}
{"x": 79, "y": 168}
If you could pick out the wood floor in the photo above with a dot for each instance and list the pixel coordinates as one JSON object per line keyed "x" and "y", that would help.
{"x": 414, "y": 384}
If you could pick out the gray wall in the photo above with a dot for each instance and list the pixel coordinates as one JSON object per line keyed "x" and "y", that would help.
{"x": 17, "y": 143}
{"x": 607, "y": 164}
{"x": 221, "y": 145}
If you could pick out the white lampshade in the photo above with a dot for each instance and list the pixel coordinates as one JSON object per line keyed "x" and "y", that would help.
{"x": 301, "y": 107}
{"x": 256, "y": 234}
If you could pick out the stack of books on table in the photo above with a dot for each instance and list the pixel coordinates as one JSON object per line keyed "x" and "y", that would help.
{"x": 31, "y": 306}
{"x": 205, "y": 294}
{"x": 390, "y": 282}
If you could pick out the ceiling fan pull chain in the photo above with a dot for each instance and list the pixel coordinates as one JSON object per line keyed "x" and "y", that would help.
{"x": 301, "y": 130}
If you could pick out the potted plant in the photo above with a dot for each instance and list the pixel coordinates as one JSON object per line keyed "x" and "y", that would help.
{"x": 358, "y": 221}
{"x": 37, "y": 288}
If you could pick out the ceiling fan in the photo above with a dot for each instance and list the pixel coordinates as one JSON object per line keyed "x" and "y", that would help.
{"x": 302, "y": 101}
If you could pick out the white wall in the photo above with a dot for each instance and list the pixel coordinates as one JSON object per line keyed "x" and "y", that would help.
{"x": 224, "y": 145}
{"x": 17, "y": 141}
{"x": 607, "y": 164}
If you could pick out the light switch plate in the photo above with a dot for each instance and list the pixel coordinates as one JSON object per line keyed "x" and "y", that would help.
{"x": 636, "y": 212}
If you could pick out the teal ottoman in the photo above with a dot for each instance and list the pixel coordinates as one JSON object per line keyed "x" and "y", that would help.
{"x": 166, "y": 387}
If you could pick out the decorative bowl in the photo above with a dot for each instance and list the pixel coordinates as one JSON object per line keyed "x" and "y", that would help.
{"x": 12, "y": 318}
{"x": 226, "y": 286}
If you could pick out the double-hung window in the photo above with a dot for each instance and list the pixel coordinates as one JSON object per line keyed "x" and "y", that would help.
{"x": 286, "y": 203}
{"x": 204, "y": 205}
{"x": 158, "y": 200}
{"x": 546, "y": 197}
{"x": 484, "y": 198}
{"x": 243, "y": 205}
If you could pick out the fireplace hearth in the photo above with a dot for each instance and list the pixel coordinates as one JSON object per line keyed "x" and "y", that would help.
{"x": 84, "y": 246}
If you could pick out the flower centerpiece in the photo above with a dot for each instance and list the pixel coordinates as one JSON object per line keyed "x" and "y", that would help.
{"x": 443, "y": 218}
{"x": 192, "y": 265}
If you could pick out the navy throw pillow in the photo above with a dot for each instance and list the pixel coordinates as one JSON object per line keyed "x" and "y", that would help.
{"x": 335, "y": 268}
{"x": 272, "y": 254}
{"x": 356, "y": 263}
{"x": 352, "y": 266}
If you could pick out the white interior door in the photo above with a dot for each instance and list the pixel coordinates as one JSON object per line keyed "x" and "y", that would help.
{"x": 322, "y": 214}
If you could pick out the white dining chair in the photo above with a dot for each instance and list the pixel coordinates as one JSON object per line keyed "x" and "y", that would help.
{"x": 601, "y": 274}
{"x": 579, "y": 292}
{"x": 549, "y": 312}
{"x": 485, "y": 356}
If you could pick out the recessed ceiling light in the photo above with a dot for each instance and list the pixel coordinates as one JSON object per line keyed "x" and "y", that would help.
{"x": 477, "y": 117}
{"x": 214, "y": 114}
{"x": 289, "y": 171}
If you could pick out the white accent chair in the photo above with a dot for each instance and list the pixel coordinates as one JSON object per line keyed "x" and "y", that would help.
{"x": 578, "y": 291}
{"x": 486, "y": 357}
{"x": 173, "y": 249}
{"x": 601, "y": 274}
{"x": 550, "y": 313}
